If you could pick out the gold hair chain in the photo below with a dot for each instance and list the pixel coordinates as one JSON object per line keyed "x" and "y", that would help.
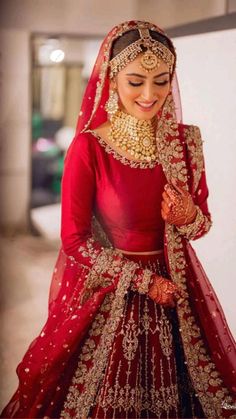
{"x": 151, "y": 59}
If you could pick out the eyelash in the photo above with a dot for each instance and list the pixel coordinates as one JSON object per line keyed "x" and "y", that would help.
{"x": 140, "y": 84}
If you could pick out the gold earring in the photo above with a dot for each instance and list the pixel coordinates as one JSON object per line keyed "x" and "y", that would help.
{"x": 112, "y": 104}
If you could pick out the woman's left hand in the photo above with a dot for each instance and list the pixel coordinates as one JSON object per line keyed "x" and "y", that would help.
{"x": 177, "y": 206}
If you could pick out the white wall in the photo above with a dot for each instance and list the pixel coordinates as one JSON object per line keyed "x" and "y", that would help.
{"x": 98, "y": 16}
{"x": 66, "y": 16}
{"x": 170, "y": 13}
{"x": 206, "y": 71}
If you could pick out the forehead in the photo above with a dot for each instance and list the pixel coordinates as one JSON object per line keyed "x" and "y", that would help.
{"x": 136, "y": 67}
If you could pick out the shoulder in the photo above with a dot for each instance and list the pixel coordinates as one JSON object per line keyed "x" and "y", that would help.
{"x": 82, "y": 142}
{"x": 191, "y": 136}
{"x": 190, "y": 133}
{"x": 81, "y": 147}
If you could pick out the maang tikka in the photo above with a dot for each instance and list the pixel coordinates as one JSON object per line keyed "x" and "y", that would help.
{"x": 112, "y": 104}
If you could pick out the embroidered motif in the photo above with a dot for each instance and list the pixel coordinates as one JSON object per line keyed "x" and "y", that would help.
{"x": 194, "y": 143}
{"x": 82, "y": 402}
{"x": 166, "y": 338}
{"x": 157, "y": 395}
{"x": 143, "y": 380}
{"x": 198, "y": 360}
{"x": 130, "y": 341}
{"x": 124, "y": 160}
{"x": 169, "y": 146}
{"x": 143, "y": 282}
{"x": 206, "y": 381}
{"x": 200, "y": 224}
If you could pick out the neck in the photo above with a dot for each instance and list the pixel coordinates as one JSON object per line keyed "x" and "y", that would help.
{"x": 129, "y": 123}
{"x": 136, "y": 136}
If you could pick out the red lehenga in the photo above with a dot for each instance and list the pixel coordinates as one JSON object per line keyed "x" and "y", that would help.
{"x": 107, "y": 350}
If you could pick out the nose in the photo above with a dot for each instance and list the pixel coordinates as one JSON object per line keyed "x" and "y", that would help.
{"x": 148, "y": 92}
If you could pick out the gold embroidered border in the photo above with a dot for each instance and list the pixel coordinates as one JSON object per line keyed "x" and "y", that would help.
{"x": 169, "y": 146}
{"x": 194, "y": 143}
{"x": 191, "y": 230}
{"x": 143, "y": 285}
{"x": 202, "y": 370}
{"x": 124, "y": 160}
{"x": 85, "y": 400}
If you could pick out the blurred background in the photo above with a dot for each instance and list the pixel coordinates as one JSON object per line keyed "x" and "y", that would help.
{"x": 47, "y": 52}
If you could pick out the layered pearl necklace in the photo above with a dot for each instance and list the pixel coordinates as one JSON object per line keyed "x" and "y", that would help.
{"x": 135, "y": 136}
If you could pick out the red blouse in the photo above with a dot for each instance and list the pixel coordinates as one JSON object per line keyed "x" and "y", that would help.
{"x": 126, "y": 200}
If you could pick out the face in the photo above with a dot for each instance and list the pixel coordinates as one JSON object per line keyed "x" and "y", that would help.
{"x": 142, "y": 94}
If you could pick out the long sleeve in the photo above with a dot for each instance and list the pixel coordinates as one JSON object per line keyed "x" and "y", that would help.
{"x": 78, "y": 195}
{"x": 199, "y": 190}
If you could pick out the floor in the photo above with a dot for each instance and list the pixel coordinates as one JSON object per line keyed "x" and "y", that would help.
{"x": 27, "y": 264}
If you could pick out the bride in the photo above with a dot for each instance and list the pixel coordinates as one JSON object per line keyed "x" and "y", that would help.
{"x": 134, "y": 327}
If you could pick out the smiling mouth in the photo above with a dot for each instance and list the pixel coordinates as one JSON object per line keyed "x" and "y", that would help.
{"x": 146, "y": 106}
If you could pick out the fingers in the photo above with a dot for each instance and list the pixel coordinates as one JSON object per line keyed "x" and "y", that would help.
{"x": 167, "y": 199}
{"x": 165, "y": 207}
{"x": 169, "y": 302}
{"x": 163, "y": 214}
{"x": 169, "y": 191}
{"x": 165, "y": 292}
{"x": 173, "y": 188}
{"x": 177, "y": 186}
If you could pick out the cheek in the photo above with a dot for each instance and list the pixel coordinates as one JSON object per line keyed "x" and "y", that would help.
{"x": 165, "y": 91}
{"x": 162, "y": 94}
{"x": 126, "y": 94}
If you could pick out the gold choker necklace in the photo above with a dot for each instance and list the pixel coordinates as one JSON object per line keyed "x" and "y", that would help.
{"x": 135, "y": 136}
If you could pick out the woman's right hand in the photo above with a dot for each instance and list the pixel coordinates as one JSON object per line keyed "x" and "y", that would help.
{"x": 163, "y": 291}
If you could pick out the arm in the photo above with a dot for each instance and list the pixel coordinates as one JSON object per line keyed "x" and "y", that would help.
{"x": 202, "y": 222}
{"x": 78, "y": 194}
{"x": 198, "y": 188}
{"x": 186, "y": 209}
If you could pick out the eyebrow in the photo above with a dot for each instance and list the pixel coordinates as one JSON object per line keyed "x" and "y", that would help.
{"x": 144, "y": 77}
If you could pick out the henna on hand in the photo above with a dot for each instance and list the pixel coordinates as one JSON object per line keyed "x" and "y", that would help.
{"x": 177, "y": 206}
{"x": 163, "y": 291}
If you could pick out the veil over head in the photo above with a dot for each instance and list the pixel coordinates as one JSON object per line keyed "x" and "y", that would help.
{"x": 93, "y": 112}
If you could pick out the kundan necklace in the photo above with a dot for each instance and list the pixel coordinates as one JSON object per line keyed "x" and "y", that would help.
{"x": 136, "y": 136}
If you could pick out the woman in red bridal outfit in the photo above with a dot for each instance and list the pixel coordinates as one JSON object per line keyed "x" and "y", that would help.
{"x": 134, "y": 328}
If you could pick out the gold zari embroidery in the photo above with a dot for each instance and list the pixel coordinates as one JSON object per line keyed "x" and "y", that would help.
{"x": 124, "y": 160}
{"x": 143, "y": 283}
{"x": 201, "y": 368}
{"x": 190, "y": 231}
{"x": 194, "y": 143}
{"x": 82, "y": 402}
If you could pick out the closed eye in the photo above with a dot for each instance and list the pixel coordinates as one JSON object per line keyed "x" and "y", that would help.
{"x": 162, "y": 83}
{"x": 158, "y": 83}
{"x": 135, "y": 84}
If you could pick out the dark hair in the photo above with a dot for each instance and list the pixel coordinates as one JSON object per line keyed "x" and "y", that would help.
{"x": 133, "y": 35}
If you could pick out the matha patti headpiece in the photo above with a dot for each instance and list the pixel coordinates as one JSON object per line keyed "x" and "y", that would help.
{"x": 150, "y": 60}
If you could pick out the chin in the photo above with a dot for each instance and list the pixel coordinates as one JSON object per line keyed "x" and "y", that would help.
{"x": 146, "y": 116}
{"x": 139, "y": 114}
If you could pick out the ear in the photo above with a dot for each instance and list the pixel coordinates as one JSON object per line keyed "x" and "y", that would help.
{"x": 113, "y": 85}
